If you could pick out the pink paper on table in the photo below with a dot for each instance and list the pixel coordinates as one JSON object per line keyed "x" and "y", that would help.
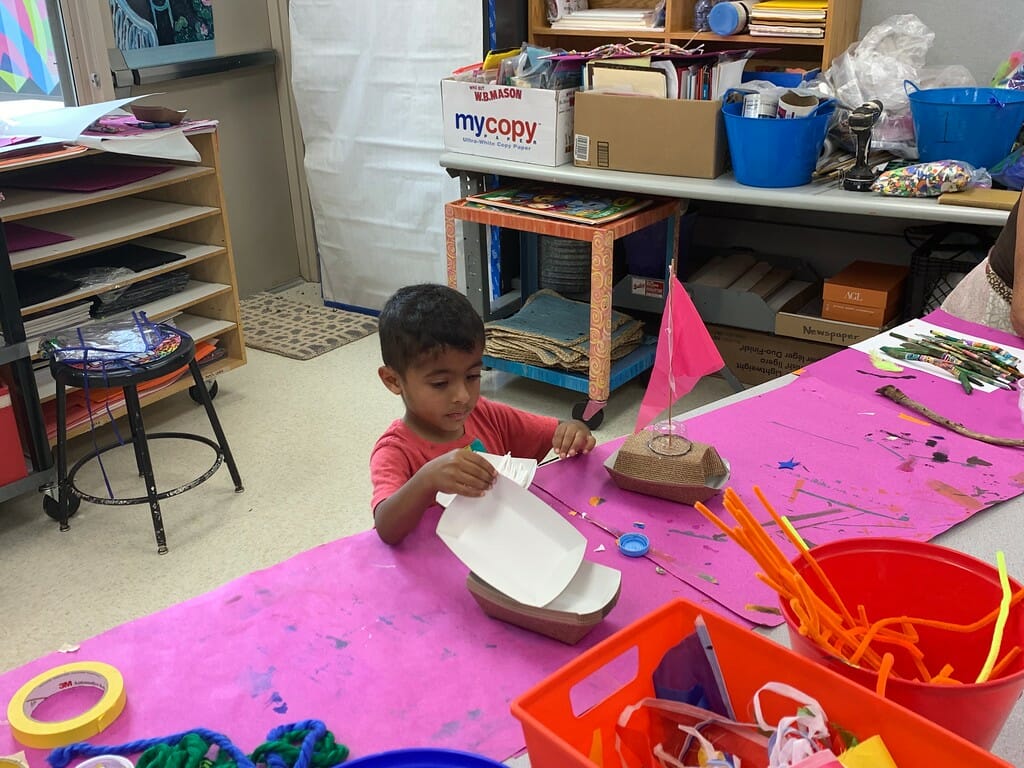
{"x": 385, "y": 645}
{"x": 838, "y": 464}
{"x": 21, "y": 237}
{"x": 88, "y": 177}
{"x": 992, "y": 413}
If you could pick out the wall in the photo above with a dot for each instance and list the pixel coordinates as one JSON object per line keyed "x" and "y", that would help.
{"x": 976, "y": 33}
{"x": 255, "y": 174}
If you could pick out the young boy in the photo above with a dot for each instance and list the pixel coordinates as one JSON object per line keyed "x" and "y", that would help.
{"x": 432, "y": 342}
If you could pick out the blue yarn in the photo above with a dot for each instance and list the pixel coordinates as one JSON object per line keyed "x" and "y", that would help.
{"x": 62, "y": 756}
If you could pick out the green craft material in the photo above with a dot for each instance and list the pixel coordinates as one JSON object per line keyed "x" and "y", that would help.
{"x": 192, "y": 750}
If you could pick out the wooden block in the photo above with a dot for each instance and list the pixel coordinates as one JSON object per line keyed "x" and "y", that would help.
{"x": 771, "y": 282}
{"x": 1000, "y": 199}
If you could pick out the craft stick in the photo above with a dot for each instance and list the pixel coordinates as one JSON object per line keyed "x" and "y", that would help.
{"x": 1004, "y": 613}
{"x": 883, "y": 674}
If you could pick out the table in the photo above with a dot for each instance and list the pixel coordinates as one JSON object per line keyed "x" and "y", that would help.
{"x": 601, "y": 378}
{"x": 828, "y": 198}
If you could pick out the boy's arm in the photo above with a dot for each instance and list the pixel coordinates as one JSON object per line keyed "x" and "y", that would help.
{"x": 460, "y": 471}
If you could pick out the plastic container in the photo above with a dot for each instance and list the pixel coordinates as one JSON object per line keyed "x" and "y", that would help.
{"x": 895, "y": 577}
{"x": 563, "y": 727}
{"x": 976, "y": 125}
{"x": 730, "y": 18}
{"x": 774, "y": 153}
{"x": 781, "y": 79}
{"x": 423, "y": 758}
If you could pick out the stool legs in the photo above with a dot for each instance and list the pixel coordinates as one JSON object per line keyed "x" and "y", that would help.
{"x": 131, "y": 399}
{"x": 63, "y": 489}
{"x": 136, "y": 444}
{"x": 218, "y": 432}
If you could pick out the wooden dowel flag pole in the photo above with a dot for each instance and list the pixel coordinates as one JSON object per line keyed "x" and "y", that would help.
{"x": 685, "y": 354}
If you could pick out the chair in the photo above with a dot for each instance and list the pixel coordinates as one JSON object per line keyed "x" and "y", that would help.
{"x": 125, "y": 354}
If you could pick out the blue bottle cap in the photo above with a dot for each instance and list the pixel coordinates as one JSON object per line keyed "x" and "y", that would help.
{"x": 634, "y": 544}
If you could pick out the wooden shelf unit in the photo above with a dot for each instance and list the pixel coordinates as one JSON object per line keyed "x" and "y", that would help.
{"x": 841, "y": 29}
{"x": 181, "y": 210}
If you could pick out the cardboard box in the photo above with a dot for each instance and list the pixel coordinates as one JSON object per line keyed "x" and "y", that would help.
{"x": 808, "y": 324}
{"x": 676, "y": 137}
{"x": 860, "y": 314}
{"x": 867, "y": 283}
{"x": 528, "y": 125}
{"x": 756, "y": 357}
{"x": 746, "y": 290}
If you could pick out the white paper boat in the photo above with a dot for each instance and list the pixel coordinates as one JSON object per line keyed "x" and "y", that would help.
{"x": 514, "y": 542}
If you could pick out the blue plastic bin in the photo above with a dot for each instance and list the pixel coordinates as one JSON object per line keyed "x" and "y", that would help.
{"x": 975, "y": 125}
{"x": 774, "y": 153}
{"x": 423, "y": 758}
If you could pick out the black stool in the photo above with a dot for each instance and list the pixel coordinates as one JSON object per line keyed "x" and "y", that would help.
{"x": 70, "y": 374}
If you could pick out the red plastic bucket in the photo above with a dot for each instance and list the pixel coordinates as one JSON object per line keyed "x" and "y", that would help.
{"x": 898, "y": 577}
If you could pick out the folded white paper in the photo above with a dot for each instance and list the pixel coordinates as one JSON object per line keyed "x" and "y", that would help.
{"x": 520, "y": 471}
{"x": 514, "y": 541}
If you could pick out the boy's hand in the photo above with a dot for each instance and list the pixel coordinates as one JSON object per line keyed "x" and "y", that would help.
{"x": 572, "y": 438}
{"x": 463, "y": 472}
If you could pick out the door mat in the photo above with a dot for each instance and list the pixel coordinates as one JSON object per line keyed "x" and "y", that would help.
{"x": 292, "y": 329}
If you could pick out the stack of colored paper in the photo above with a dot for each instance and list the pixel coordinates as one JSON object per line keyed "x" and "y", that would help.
{"x": 789, "y": 18}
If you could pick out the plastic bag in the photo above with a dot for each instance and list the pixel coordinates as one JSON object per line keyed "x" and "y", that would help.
{"x": 559, "y": 9}
{"x": 930, "y": 179}
{"x": 796, "y": 737}
{"x": 1010, "y": 170}
{"x": 652, "y": 729}
{"x": 875, "y": 68}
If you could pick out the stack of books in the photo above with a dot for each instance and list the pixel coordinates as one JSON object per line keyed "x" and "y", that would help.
{"x": 789, "y": 18}
{"x": 652, "y": 19}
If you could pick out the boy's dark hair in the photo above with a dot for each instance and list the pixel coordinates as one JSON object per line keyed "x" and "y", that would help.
{"x": 425, "y": 319}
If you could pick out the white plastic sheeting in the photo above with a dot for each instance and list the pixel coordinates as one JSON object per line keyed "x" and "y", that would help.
{"x": 366, "y": 78}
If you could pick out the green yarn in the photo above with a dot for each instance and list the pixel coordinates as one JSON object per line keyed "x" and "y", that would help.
{"x": 191, "y": 752}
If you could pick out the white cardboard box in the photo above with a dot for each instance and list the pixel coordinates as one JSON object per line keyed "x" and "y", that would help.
{"x": 528, "y": 125}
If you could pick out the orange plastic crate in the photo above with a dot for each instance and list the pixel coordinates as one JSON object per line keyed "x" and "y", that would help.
{"x": 557, "y": 737}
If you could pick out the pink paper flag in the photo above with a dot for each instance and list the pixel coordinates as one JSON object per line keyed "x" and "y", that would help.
{"x": 685, "y": 354}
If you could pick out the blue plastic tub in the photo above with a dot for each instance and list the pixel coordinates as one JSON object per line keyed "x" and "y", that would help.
{"x": 774, "y": 153}
{"x": 423, "y": 758}
{"x": 975, "y": 125}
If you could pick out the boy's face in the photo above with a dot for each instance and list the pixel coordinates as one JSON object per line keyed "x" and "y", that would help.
{"x": 439, "y": 392}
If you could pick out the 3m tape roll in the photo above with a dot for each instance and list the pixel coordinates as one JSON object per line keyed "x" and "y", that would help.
{"x": 41, "y": 734}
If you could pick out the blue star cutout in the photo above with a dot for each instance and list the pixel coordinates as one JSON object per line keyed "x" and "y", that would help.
{"x": 791, "y": 464}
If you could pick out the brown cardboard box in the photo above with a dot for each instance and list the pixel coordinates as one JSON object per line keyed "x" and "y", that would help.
{"x": 676, "y": 137}
{"x": 861, "y": 314}
{"x": 869, "y": 283}
{"x": 807, "y": 325}
{"x": 756, "y": 357}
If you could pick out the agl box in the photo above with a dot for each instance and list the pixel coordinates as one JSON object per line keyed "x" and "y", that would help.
{"x": 528, "y": 125}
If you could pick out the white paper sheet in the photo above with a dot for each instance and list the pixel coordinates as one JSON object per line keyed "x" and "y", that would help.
{"x": 917, "y": 327}
{"x": 65, "y": 123}
{"x": 514, "y": 541}
{"x": 162, "y": 145}
{"x": 520, "y": 471}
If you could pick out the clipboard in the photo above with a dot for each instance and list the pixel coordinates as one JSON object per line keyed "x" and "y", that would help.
{"x": 611, "y": 77}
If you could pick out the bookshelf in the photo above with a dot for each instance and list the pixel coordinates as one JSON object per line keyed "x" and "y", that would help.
{"x": 180, "y": 210}
{"x": 841, "y": 29}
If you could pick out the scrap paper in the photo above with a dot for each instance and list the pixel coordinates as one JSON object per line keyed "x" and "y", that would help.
{"x": 21, "y": 237}
{"x": 994, "y": 413}
{"x": 87, "y": 177}
{"x": 838, "y": 464}
{"x": 386, "y": 645}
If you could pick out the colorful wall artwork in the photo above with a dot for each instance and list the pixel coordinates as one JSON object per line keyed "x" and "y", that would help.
{"x": 28, "y": 61}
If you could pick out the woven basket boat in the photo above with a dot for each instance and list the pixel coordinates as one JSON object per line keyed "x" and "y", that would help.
{"x": 690, "y": 473}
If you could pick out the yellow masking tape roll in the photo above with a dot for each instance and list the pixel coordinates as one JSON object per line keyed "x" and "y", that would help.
{"x": 41, "y": 734}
